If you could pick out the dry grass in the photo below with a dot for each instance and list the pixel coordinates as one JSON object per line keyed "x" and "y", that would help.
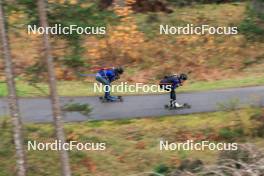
{"x": 132, "y": 145}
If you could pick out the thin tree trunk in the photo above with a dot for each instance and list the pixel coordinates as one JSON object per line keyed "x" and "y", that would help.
{"x": 12, "y": 97}
{"x": 57, "y": 114}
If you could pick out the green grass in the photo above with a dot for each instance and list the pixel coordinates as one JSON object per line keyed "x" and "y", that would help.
{"x": 223, "y": 84}
{"x": 78, "y": 88}
{"x": 132, "y": 145}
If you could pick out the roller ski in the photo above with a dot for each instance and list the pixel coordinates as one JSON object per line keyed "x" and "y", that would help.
{"x": 176, "y": 106}
{"x": 111, "y": 99}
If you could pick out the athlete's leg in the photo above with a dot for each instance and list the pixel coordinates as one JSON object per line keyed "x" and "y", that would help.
{"x": 174, "y": 103}
{"x": 172, "y": 97}
{"x": 106, "y": 83}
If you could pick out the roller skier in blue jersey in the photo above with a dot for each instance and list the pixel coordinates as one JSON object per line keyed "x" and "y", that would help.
{"x": 106, "y": 77}
{"x": 170, "y": 83}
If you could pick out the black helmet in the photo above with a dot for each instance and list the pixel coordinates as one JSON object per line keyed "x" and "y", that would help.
{"x": 183, "y": 76}
{"x": 119, "y": 70}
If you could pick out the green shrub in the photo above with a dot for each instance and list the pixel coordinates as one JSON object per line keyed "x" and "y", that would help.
{"x": 258, "y": 123}
{"x": 4, "y": 123}
{"x": 84, "y": 109}
{"x": 230, "y": 105}
{"x": 260, "y": 131}
{"x": 95, "y": 123}
{"x": 161, "y": 169}
{"x": 122, "y": 122}
{"x": 152, "y": 18}
{"x": 74, "y": 61}
{"x": 251, "y": 27}
{"x": 230, "y": 134}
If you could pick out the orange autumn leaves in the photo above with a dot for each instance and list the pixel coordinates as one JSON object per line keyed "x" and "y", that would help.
{"x": 123, "y": 41}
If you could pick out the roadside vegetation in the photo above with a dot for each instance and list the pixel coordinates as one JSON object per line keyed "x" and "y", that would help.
{"x": 132, "y": 41}
{"x": 86, "y": 88}
{"x": 133, "y": 144}
{"x": 146, "y": 55}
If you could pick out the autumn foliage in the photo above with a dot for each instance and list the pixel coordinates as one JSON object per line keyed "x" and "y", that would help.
{"x": 146, "y": 57}
{"x": 123, "y": 41}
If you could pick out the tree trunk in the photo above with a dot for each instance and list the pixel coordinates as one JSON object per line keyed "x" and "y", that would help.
{"x": 57, "y": 114}
{"x": 12, "y": 97}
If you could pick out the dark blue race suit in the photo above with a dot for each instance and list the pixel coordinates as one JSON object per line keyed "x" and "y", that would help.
{"x": 170, "y": 83}
{"x": 106, "y": 77}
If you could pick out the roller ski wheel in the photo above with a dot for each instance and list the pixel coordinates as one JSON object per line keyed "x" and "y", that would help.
{"x": 167, "y": 106}
{"x": 120, "y": 98}
{"x": 104, "y": 100}
{"x": 185, "y": 106}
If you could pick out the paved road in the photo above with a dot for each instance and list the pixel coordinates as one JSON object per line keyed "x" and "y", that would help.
{"x": 39, "y": 110}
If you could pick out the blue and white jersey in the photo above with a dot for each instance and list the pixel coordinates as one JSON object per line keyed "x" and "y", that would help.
{"x": 108, "y": 74}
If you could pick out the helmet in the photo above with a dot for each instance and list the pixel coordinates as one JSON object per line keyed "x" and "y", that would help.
{"x": 183, "y": 76}
{"x": 119, "y": 70}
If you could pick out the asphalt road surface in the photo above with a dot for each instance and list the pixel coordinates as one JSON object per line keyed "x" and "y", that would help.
{"x": 39, "y": 109}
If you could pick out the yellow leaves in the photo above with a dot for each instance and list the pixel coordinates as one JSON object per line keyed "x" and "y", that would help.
{"x": 122, "y": 28}
{"x": 59, "y": 73}
{"x": 126, "y": 10}
{"x": 2, "y": 76}
{"x": 123, "y": 11}
{"x": 85, "y": 5}
{"x": 16, "y": 17}
{"x": 130, "y": 2}
{"x": 56, "y": 1}
{"x": 201, "y": 60}
{"x": 93, "y": 52}
{"x": 63, "y": 1}
{"x": 187, "y": 39}
{"x": 123, "y": 40}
